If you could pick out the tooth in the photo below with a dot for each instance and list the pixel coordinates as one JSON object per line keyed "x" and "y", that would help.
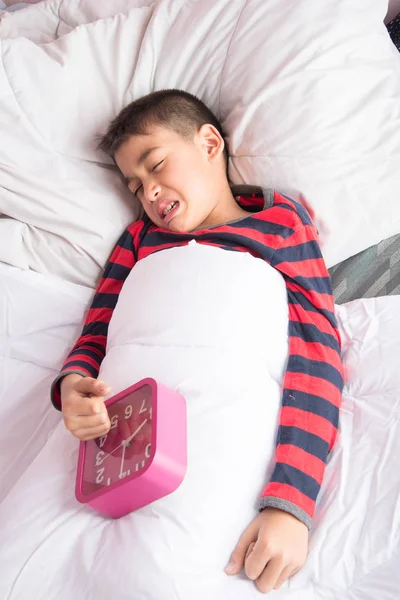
{"x": 168, "y": 208}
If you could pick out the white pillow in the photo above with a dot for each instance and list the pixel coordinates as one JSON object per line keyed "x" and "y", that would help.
{"x": 308, "y": 93}
{"x": 49, "y": 19}
{"x": 54, "y": 98}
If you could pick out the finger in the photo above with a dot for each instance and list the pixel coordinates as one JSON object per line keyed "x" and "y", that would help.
{"x": 257, "y": 559}
{"x": 237, "y": 558}
{"x": 249, "y": 550}
{"x": 92, "y": 406}
{"x": 90, "y": 434}
{"x": 270, "y": 575}
{"x": 86, "y": 422}
{"x": 83, "y": 406}
{"x": 95, "y": 387}
{"x": 286, "y": 573}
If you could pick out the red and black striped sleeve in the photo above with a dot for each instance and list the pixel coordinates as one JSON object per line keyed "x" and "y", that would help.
{"x": 88, "y": 352}
{"x": 313, "y": 382}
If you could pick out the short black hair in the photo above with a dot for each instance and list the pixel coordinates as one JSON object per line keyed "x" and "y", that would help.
{"x": 176, "y": 109}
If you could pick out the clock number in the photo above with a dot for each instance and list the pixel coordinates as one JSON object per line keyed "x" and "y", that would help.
{"x": 128, "y": 411}
{"x": 140, "y": 465}
{"x": 147, "y": 451}
{"x": 100, "y": 475}
{"x": 143, "y": 407}
{"x": 151, "y": 412}
{"x": 102, "y": 440}
{"x": 99, "y": 458}
{"x": 124, "y": 474}
{"x": 114, "y": 421}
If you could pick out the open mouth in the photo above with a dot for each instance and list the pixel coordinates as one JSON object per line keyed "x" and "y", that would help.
{"x": 170, "y": 211}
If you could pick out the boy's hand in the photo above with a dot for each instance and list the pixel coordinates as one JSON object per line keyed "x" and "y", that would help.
{"x": 84, "y": 412}
{"x": 271, "y": 549}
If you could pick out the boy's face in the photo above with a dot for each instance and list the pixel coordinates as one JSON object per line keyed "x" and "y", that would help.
{"x": 177, "y": 181}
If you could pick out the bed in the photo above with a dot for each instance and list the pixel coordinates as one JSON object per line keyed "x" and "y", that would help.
{"x": 282, "y": 79}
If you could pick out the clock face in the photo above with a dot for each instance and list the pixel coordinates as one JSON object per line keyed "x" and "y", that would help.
{"x": 126, "y": 449}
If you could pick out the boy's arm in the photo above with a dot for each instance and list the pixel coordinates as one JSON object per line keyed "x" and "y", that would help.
{"x": 88, "y": 352}
{"x": 313, "y": 382}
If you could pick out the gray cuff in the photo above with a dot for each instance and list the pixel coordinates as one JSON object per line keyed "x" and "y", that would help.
{"x": 55, "y": 392}
{"x": 286, "y": 506}
{"x": 269, "y": 196}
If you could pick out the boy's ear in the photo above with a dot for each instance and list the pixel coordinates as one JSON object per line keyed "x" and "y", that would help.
{"x": 211, "y": 141}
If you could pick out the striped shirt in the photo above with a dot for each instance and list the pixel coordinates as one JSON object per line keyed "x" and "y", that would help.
{"x": 280, "y": 231}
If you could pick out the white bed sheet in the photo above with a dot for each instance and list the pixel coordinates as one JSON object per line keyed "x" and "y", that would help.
{"x": 53, "y": 548}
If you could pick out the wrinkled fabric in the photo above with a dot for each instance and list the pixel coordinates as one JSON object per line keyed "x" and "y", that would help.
{"x": 176, "y": 549}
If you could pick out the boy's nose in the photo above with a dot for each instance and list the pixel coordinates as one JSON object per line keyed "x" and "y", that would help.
{"x": 152, "y": 192}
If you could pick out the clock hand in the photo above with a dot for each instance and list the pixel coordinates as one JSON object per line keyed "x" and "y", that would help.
{"x": 125, "y": 442}
{"x": 109, "y": 454}
{"x": 135, "y": 432}
{"x": 122, "y": 460}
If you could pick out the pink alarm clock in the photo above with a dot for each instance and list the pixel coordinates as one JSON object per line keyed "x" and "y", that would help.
{"x": 144, "y": 455}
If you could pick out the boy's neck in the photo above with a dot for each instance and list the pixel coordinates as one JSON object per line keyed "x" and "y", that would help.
{"x": 225, "y": 211}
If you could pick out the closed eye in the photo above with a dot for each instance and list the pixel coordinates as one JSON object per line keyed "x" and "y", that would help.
{"x": 153, "y": 169}
{"x": 157, "y": 165}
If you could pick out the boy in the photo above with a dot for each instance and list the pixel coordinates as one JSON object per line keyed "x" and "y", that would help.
{"x": 171, "y": 150}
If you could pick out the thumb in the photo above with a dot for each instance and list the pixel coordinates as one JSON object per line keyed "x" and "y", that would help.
{"x": 243, "y": 548}
{"x": 88, "y": 385}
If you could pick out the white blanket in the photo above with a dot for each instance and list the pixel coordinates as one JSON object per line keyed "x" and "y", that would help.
{"x": 175, "y": 549}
